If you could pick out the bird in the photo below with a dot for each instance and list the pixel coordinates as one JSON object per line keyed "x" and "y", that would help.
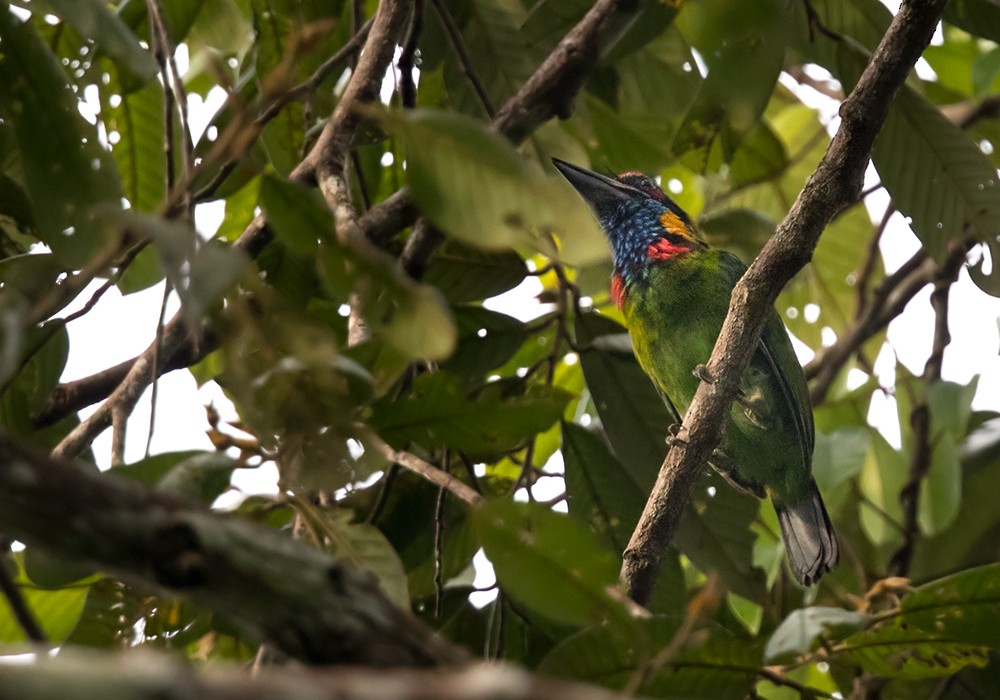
{"x": 673, "y": 290}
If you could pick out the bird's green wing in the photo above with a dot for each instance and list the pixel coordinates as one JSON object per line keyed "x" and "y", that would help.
{"x": 777, "y": 351}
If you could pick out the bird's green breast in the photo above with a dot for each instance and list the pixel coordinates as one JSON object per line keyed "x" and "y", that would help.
{"x": 674, "y": 315}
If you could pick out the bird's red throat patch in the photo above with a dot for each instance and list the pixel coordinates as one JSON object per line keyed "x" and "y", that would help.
{"x": 664, "y": 250}
{"x": 618, "y": 290}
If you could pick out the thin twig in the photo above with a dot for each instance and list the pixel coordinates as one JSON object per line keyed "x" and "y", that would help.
{"x": 424, "y": 469}
{"x": 868, "y": 266}
{"x": 920, "y": 421}
{"x": 439, "y": 537}
{"x": 408, "y": 57}
{"x": 888, "y": 301}
{"x": 457, "y": 42}
{"x": 15, "y": 600}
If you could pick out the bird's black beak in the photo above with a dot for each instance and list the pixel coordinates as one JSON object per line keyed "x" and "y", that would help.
{"x": 602, "y": 193}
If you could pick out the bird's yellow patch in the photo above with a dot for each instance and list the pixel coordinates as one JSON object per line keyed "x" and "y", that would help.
{"x": 673, "y": 224}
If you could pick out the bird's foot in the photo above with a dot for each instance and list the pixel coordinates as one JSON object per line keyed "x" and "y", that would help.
{"x": 702, "y": 373}
{"x": 673, "y": 435}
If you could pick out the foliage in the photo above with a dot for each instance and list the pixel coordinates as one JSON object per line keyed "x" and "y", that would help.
{"x": 700, "y": 94}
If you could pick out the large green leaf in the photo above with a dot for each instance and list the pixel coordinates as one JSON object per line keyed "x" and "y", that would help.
{"x": 364, "y": 545}
{"x": 464, "y": 273}
{"x": 743, "y": 47}
{"x": 66, "y": 172}
{"x": 472, "y": 184}
{"x": 978, "y": 17}
{"x": 549, "y": 562}
{"x": 882, "y": 478}
{"x": 439, "y": 413}
{"x": 950, "y": 407}
{"x": 800, "y": 632}
{"x": 595, "y": 490}
{"x": 603, "y": 656}
{"x": 94, "y": 21}
{"x": 56, "y": 611}
{"x": 596, "y": 493}
{"x": 282, "y": 136}
{"x": 940, "y": 180}
{"x": 486, "y": 340}
{"x": 501, "y": 58}
{"x": 134, "y": 122}
{"x": 941, "y": 627}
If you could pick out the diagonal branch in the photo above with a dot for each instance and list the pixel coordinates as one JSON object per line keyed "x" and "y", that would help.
{"x": 309, "y": 606}
{"x": 920, "y": 420}
{"x": 835, "y": 184}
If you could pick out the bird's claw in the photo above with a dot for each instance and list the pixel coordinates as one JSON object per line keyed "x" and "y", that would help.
{"x": 673, "y": 435}
{"x": 702, "y": 373}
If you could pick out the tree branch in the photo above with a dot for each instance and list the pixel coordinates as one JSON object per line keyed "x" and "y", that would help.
{"x": 920, "y": 421}
{"x": 835, "y": 184}
{"x": 888, "y": 302}
{"x": 144, "y": 674}
{"x": 436, "y": 476}
{"x": 326, "y": 612}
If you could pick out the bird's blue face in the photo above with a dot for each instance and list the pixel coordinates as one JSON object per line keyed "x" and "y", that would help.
{"x": 641, "y": 221}
{"x": 645, "y": 225}
{"x": 632, "y": 226}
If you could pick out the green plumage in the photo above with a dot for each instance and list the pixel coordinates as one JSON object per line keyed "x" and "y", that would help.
{"x": 674, "y": 291}
{"x": 769, "y": 439}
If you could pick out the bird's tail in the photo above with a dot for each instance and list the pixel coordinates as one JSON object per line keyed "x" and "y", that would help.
{"x": 810, "y": 540}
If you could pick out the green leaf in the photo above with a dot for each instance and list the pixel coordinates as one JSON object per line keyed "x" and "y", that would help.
{"x": 486, "y": 340}
{"x": 743, "y": 47}
{"x": 941, "y": 627}
{"x": 604, "y": 656}
{"x": 221, "y": 25}
{"x": 882, "y": 477}
{"x": 472, "y": 184}
{"x": 56, "y": 611}
{"x": 502, "y": 58}
{"x": 241, "y": 209}
{"x": 438, "y": 413}
{"x": 202, "y": 477}
{"x": 800, "y": 632}
{"x": 51, "y": 572}
{"x": 420, "y": 326}
{"x": 464, "y": 273}
{"x": 364, "y": 545}
{"x": 597, "y": 494}
{"x": 950, "y": 407}
{"x": 31, "y": 384}
{"x": 638, "y": 142}
{"x": 549, "y": 562}
{"x": 108, "y": 615}
{"x": 299, "y": 216}
{"x": 94, "y": 21}
{"x": 274, "y": 31}
{"x": 66, "y": 172}
{"x": 137, "y": 120}
{"x": 978, "y": 17}
{"x": 938, "y": 178}
{"x": 760, "y": 156}
{"x": 740, "y": 231}
{"x": 595, "y": 490}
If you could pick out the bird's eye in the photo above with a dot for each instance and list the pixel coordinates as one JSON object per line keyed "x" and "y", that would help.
{"x": 644, "y": 184}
